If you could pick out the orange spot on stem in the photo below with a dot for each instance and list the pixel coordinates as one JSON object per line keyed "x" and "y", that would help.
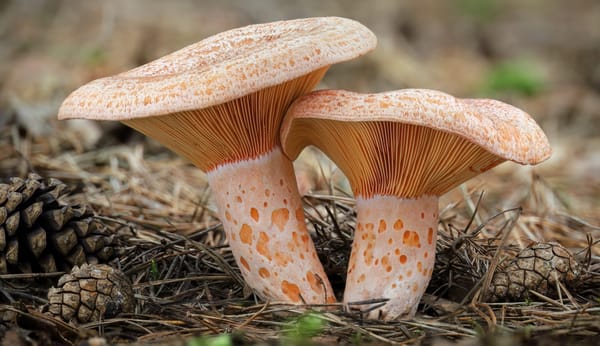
{"x": 254, "y": 214}
{"x": 382, "y": 226}
{"x": 282, "y": 259}
{"x": 304, "y": 238}
{"x": 262, "y": 246}
{"x": 313, "y": 282}
{"x": 300, "y": 215}
{"x": 295, "y": 238}
{"x": 244, "y": 263}
{"x": 398, "y": 225}
{"x": 246, "y": 234}
{"x": 411, "y": 238}
{"x": 280, "y": 217}
{"x": 264, "y": 273}
{"x": 403, "y": 259}
{"x": 291, "y": 290}
{"x": 385, "y": 260}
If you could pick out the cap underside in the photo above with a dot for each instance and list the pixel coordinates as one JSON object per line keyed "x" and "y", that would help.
{"x": 386, "y": 158}
{"x": 246, "y": 128}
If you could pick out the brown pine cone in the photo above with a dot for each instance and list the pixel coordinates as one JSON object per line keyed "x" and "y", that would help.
{"x": 90, "y": 293}
{"x": 38, "y": 233}
{"x": 538, "y": 267}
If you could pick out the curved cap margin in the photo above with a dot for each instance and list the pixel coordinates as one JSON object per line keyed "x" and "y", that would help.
{"x": 502, "y": 129}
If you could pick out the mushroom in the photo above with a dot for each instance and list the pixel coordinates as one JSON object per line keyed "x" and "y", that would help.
{"x": 220, "y": 103}
{"x": 400, "y": 151}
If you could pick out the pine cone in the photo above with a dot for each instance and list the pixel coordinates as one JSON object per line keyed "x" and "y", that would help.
{"x": 538, "y": 267}
{"x": 40, "y": 234}
{"x": 91, "y": 292}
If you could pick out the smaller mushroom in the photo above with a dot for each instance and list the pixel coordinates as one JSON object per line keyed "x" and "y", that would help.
{"x": 401, "y": 150}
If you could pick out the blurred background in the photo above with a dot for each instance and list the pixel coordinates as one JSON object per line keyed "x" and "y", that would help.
{"x": 540, "y": 55}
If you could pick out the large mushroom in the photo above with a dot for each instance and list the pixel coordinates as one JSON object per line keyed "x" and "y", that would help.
{"x": 400, "y": 150}
{"x": 220, "y": 103}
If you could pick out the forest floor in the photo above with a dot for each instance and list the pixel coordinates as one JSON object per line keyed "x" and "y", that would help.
{"x": 185, "y": 280}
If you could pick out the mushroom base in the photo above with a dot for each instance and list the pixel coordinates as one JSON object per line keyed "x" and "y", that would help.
{"x": 263, "y": 218}
{"x": 393, "y": 255}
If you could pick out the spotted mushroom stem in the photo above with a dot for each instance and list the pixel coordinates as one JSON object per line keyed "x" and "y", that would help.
{"x": 263, "y": 218}
{"x": 393, "y": 254}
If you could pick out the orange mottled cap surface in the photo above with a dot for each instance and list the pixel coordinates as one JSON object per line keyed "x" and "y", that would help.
{"x": 221, "y": 68}
{"x": 500, "y": 128}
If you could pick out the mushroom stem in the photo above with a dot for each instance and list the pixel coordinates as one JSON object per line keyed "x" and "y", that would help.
{"x": 393, "y": 253}
{"x": 263, "y": 218}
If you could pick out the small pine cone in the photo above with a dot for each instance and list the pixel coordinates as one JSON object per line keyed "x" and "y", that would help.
{"x": 38, "y": 233}
{"x": 538, "y": 267}
{"x": 90, "y": 293}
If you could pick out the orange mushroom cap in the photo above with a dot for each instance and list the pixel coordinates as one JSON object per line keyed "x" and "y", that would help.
{"x": 222, "y": 99}
{"x": 221, "y": 68}
{"x": 411, "y": 142}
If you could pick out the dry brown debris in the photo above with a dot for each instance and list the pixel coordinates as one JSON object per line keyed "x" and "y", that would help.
{"x": 187, "y": 283}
